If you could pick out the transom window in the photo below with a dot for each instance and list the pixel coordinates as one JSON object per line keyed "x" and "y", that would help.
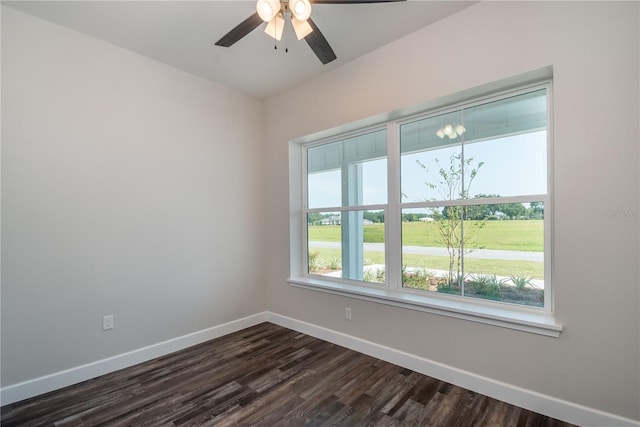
{"x": 449, "y": 204}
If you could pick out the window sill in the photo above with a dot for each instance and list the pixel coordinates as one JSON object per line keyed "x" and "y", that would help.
{"x": 513, "y": 317}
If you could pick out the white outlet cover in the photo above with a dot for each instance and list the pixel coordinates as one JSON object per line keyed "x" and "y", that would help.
{"x": 107, "y": 322}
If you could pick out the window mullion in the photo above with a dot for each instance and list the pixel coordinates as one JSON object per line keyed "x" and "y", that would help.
{"x": 475, "y": 201}
{"x": 393, "y": 226}
{"x": 302, "y": 263}
{"x": 464, "y": 195}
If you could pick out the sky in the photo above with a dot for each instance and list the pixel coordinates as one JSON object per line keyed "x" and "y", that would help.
{"x": 512, "y": 166}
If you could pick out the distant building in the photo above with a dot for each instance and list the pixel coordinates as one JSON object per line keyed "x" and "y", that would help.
{"x": 336, "y": 220}
{"x": 332, "y": 220}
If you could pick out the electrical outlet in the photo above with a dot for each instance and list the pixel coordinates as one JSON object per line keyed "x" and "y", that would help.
{"x": 107, "y": 322}
{"x": 347, "y": 313}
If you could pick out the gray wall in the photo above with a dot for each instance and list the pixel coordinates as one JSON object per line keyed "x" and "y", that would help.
{"x": 128, "y": 188}
{"x": 593, "y": 47}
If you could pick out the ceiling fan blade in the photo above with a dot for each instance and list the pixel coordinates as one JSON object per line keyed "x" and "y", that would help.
{"x": 319, "y": 44}
{"x": 352, "y": 1}
{"x": 241, "y": 30}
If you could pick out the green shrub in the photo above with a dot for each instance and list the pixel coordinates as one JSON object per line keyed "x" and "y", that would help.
{"x": 418, "y": 279}
{"x": 334, "y": 263}
{"x": 315, "y": 262}
{"x": 486, "y": 286}
{"x": 520, "y": 282}
{"x": 451, "y": 285}
{"x": 374, "y": 275}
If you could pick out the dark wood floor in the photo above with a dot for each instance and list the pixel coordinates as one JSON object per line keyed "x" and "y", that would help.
{"x": 267, "y": 376}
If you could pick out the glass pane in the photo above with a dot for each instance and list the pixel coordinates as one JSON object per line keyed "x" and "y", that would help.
{"x": 506, "y": 142}
{"x": 324, "y": 189}
{"x": 504, "y": 252}
{"x": 324, "y": 233}
{"x": 431, "y": 158}
{"x": 373, "y": 269}
{"x": 431, "y": 249}
{"x": 374, "y": 176}
{"x": 350, "y": 172}
{"x": 511, "y": 166}
{"x": 347, "y": 245}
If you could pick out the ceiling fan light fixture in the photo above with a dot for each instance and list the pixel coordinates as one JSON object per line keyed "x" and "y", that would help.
{"x": 268, "y": 9}
{"x": 448, "y": 130}
{"x": 275, "y": 27}
{"x": 302, "y": 28}
{"x": 300, "y": 9}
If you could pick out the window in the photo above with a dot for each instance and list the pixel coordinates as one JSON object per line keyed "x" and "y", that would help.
{"x": 477, "y": 178}
{"x": 347, "y": 196}
{"x": 446, "y": 210}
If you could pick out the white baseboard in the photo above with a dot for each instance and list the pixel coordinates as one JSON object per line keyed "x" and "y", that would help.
{"x": 543, "y": 404}
{"x": 47, "y": 383}
{"x": 533, "y": 401}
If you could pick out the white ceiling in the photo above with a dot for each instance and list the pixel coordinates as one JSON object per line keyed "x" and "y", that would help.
{"x": 182, "y": 34}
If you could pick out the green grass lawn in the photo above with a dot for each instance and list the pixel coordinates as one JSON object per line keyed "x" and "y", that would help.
{"x": 507, "y": 235}
{"x": 472, "y": 265}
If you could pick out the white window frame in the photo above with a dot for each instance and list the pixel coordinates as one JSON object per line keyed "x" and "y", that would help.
{"x": 339, "y": 209}
{"x": 524, "y": 318}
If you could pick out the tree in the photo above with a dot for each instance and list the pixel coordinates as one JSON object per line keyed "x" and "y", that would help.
{"x": 314, "y": 218}
{"x": 481, "y": 212}
{"x": 512, "y": 210}
{"x": 410, "y": 217}
{"x": 536, "y": 210}
{"x": 377, "y": 216}
{"x": 453, "y": 182}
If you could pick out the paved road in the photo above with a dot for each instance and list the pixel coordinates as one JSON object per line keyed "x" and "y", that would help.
{"x": 424, "y": 250}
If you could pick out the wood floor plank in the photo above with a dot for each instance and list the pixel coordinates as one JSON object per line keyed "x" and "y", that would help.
{"x": 271, "y": 376}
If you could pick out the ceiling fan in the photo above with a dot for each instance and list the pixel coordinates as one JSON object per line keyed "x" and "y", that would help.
{"x": 276, "y": 12}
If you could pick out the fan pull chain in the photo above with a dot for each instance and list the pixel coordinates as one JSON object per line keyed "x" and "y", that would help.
{"x": 275, "y": 31}
{"x": 286, "y": 13}
{"x": 286, "y": 40}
